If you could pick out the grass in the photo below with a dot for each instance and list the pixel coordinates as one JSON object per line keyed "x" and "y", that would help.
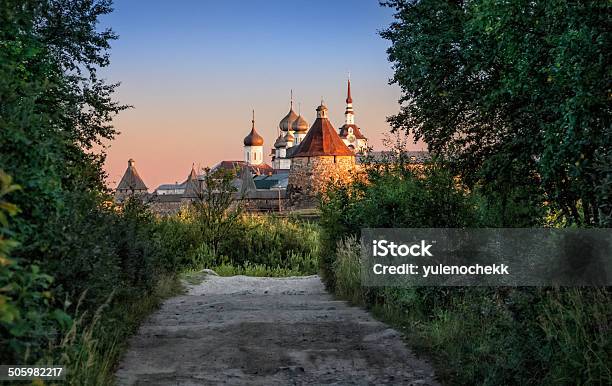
{"x": 493, "y": 336}
{"x": 94, "y": 345}
{"x": 268, "y": 246}
{"x": 258, "y": 270}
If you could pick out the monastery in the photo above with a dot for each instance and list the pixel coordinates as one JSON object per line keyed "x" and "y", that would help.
{"x": 304, "y": 159}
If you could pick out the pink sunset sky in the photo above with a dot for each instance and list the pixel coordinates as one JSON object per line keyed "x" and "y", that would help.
{"x": 194, "y": 73}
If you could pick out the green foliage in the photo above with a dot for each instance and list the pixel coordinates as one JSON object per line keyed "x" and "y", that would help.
{"x": 258, "y": 270}
{"x": 177, "y": 239}
{"x": 94, "y": 344}
{"x": 68, "y": 242}
{"x": 140, "y": 261}
{"x": 214, "y": 209}
{"x": 54, "y": 110}
{"x": 273, "y": 241}
{"x": 347, "y": 271}
{"x": 493, "y": 336}
{"x": 516, "y": 93}
{"x": 409, "y": 197}
{"x": 252, "y": 241}
{"x": 487, "y": 336}
{"x": 28, "y": 319}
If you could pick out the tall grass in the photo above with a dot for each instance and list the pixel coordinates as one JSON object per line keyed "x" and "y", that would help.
{"x": 256, "y": 244}
{"x": 260, "y": 246}
{"x": 94, "y": 344}
{"x": 494, "y": 336}
{"x": 347, "y": 270}
{"x": 257, "y": 270}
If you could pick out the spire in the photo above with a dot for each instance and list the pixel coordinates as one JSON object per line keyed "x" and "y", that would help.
{"x": 348, "y": 91}
{"x": 291, "y": 103}
{"x": 349, "y": 114}
{"x": 253, "y": 120}
{"x": 192, "y": 174}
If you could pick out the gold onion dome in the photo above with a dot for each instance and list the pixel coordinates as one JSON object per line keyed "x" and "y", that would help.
{"x": 253, "y": 139}
{"x": 289, "y": 137}
{"x": 280, "y": 142}
{"x": 286, "y": 123}
{"x": 300, "y": 125}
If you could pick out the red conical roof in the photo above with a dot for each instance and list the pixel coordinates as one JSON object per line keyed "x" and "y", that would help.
{"x": 322, "y": 139}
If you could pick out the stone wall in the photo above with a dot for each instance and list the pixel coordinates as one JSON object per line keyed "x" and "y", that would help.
{"x": 166, "y": 208}
{"x": 310, "y": 176}
{"x": 123, "y": 194}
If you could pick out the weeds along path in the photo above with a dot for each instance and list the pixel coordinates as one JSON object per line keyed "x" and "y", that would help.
{"x": 266, "y": 331}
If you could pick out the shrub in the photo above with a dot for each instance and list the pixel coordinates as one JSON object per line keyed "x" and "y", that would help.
{"x": 28, "y": 319}
{"x": 487, "y": 336}
{"x": 272, "y": 241}
{"x": 396, "y": 197}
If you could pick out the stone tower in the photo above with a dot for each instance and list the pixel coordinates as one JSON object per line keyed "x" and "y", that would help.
{"x": 131, "y": 183}
{"x": 320, "y": 158}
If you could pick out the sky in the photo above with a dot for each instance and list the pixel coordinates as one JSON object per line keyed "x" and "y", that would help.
{"x": 194, "y": 70}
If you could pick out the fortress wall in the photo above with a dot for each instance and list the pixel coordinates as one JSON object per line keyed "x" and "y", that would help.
{"x": 310, "y": 175}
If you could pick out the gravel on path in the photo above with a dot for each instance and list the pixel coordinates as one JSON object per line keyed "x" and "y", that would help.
{"x": 267, "y": 331}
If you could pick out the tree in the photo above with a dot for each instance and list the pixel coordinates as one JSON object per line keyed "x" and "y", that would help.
{"x": 217, "y": 212}
{"x": 515, "y": 94}
{"x": 54, "y": 110}
{"x": 54, "y": 107}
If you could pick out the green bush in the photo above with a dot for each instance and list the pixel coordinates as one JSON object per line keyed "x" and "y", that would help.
{"x": 266, "y": 241}
{"x": 253, "y": 240}
{"x": 393, "y": 197}
{"x": 28, "y": 318}
{"x": 487, "y": 336}
{"x": 493, "y": 336}
{"x": 272, "y": 241}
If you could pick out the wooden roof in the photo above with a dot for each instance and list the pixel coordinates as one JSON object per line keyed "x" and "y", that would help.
{"x": 131, "y": 180}
{"x": 192, "y": 184}
{"x": 322, "y": 140}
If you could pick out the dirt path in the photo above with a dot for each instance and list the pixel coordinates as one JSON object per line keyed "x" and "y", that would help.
{"x": 266, "y": 331}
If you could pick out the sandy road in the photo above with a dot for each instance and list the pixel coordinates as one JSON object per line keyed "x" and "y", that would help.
{"x": 266, "y": 331}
